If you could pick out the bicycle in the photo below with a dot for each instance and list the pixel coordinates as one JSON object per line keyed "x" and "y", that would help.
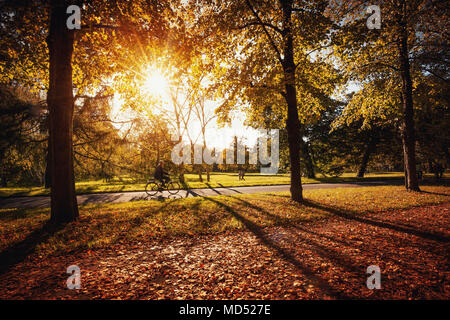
{"x": 154, "y": 186}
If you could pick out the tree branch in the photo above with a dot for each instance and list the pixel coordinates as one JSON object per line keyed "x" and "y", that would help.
{"x": 258, "y": 23}
{"x": 274, "y": 46}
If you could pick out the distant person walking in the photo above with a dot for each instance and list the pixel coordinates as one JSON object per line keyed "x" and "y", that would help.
{"x": 241, "y": 174}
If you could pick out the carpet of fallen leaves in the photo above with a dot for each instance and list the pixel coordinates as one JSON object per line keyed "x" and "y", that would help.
{"x": 324, "y": 259}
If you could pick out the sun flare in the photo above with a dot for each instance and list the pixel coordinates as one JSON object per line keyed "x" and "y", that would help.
{"x": 155, "y": 83}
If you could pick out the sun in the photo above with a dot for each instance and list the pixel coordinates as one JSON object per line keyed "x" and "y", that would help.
{"x": 155, "y": 83}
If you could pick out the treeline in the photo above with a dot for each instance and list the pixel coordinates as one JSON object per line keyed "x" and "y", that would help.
{"x": 129, "y": 150}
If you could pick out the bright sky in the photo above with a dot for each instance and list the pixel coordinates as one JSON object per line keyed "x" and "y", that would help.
{"x": 216, "y": 137}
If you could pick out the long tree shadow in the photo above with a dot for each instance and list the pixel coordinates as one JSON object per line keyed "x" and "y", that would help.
{"x": 324, "y": 251}
{"x": 353, "y": 215}
{"x": 335, "y": 256}
{"x": 212, "y": 188}
{"x": 19, "y": 251}
{"x": 262, "y": 236}
{"x": 222, "y": 186}
{"x": 188, "y": 190}
{"x": 436, "y": 193}
{"x": 289, "y": 222}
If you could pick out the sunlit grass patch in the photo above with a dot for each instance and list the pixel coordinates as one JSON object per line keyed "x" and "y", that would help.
{"x": 103, "y": 224}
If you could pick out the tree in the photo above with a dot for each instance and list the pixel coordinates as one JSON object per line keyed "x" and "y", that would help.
{"x": 61, "y": 106}
{"x": 263, "y": 52}
{"x": 390, "y": 58}
{"x": 432, "y": 120}
{"x": 25, "y": 26}
{"x": 22, "y": 137}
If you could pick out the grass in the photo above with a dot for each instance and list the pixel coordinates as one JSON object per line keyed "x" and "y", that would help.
{"x": 106, "y": 224}
{"x": 192, "y": 181}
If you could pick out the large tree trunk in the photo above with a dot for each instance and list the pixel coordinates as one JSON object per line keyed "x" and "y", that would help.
{"x": 408, "y": 139}
{"x": 292, "y": 122}
{"x": 60, "y": 101}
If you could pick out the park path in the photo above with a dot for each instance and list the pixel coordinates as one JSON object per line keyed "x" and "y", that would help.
{"x": 95, "y": 198}
{"x": 323, "y": 259}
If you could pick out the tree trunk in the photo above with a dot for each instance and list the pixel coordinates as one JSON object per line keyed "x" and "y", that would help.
{"x": 408, "y": 139}
{"x": 199, "y": 170}
{"x": 292, "y": 122}
{"x": 365, "y": 160}
{"x": 208, "y": 176}
{"x": 181, "y": 173}
{"x": 308, "y": 159}
{"x": 181, "y": 169}
{"x": 204, "y": 148}
{"x": 60, "y": 101}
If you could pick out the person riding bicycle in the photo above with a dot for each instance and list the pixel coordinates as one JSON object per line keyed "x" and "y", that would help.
{"x": 161, "y": 175}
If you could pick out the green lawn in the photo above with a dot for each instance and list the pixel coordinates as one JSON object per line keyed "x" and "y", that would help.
{"x": 101, "y": 225}
{"x": 192, "y": 181}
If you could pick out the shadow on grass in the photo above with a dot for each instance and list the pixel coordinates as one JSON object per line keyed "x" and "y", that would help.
{"x": 437, "y": 193}
{"x": 358, "y": 216}
{"x": 22, "y": 249}
{"x": 353, "y": 215}
{"x": 258, "y": 231}
{"x": 332, "y": 253}
{"x": 326, "y": 252}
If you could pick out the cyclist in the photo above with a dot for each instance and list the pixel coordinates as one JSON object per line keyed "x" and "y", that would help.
{"x": 161, "y": 175}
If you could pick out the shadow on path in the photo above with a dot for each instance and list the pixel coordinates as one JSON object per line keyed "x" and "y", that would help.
{"x": 229, "y": 188}
{"x": 213, "y": 189}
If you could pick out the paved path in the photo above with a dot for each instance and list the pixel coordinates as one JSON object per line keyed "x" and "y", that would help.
{"x": 44, "y": 201}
